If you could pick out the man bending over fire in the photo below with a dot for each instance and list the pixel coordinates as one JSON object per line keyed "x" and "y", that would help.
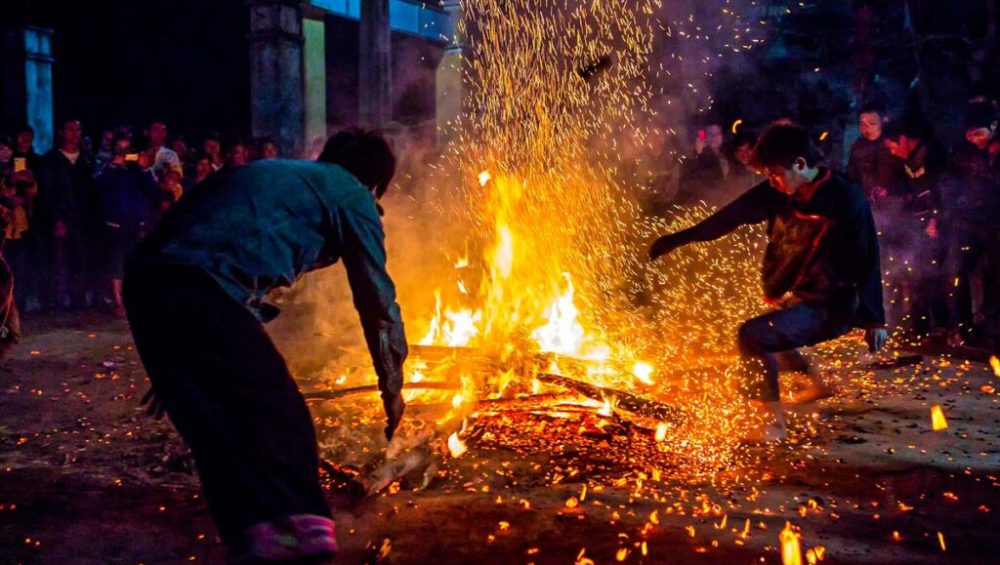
{"x": 194, "y": 293}
{"x": 821, "y": 266}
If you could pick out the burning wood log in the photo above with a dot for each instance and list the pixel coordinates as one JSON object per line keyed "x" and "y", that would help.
{"x": 625, "y": 401}
{"x": 340, "y": 393}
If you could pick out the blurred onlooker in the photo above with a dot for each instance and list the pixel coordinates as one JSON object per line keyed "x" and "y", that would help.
{"x": 126, "y": 194}
{"x": 18, "y": 190}
{"x": 742, "y": 175}
{"x": 212, "y": 146}
{"x": 105, "y": 149}
{"x": 161, "y": 157}
{"x": 180, "y": 147}
{"x": 973, "y": 205}
{"x": 171, "y": 189}
{"x": 870, "y": 164}
{"x": 66, "y": 210}
{"x": 202, "y": 170}
{"x": 236, "y": 157}
{"x": 704, "y": 171}
{"x": 921, "y": 224}
{"x": 267, "y": 149}
{"x": 6, "y": 152}
{"x": 10, "y": 322}
{"x": 24, "y": 147}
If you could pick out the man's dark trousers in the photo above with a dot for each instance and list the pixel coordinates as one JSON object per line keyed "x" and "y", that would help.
{"x": 762, "y": 338}
{"x": 230, "y": 395}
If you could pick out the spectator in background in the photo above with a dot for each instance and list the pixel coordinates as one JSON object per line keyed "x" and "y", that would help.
{"x": 161, "y": 157}
{"x": 10, "y": 322}
{"x": 972, "y": 202}
{"x": 742, "y": 175}
{"x": 18, "y": 190}
{"x": 267, "y": 149}
{"x": 921, "y": 223}
{"x": 180, "y": 147}
{"x": 6, "y": 152}
{"x": 68, "y": 217}
{"x": 105, "y": 149}
{"x": 24, "y": 147}
{"x": 703, "y": 173}
{"x": 212, "y": 146}
{"x": 236, "y": 157}
{"x": 202, "y": 170}
{"x": 870, "y": 164}
{"x": 171, "y": 189}
{"x": 126, "y": 194}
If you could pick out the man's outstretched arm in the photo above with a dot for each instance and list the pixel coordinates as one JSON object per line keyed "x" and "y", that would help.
{"x": 375, "y": 300}
{"x": 750, "y": 208}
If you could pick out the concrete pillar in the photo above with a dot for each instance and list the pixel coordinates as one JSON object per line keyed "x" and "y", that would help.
{"x": 375, "y": 64}
{"x": 315, "y": 70}
{"x": 27, "y": 81}
{"x": 449, "y": 92}
{"x": 277, "y": 79}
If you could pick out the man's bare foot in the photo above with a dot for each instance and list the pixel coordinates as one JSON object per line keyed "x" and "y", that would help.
{"x": 816, "y": 390}
{"x": 767, "y": 423}
{"x": 767, "y": 433}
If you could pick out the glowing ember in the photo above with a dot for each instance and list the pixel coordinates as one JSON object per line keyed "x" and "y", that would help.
{"x": 484, "y": 177}
{"x": 791, "y": 551}
{"x": 995, "y": 365}
{"x": 661, "y": 432}
{"x": 456, "y": 446}
{"x": 940, "y": 537}
{"x": 815, "y": 554}
{"x": 938, "y": 421}
{"x": 642, "y": 371}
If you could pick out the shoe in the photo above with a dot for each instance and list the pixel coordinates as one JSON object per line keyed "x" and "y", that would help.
{"x": 301, "y": 538}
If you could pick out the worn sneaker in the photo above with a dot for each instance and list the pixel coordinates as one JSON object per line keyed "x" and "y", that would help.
{"x": 301, "y": 538}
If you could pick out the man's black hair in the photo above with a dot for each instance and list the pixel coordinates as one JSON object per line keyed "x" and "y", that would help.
{"x": 781, "y": 145}
{"x": 872, "y": 108}
{"x": 363, "y": 153}
{"x": 980, "y": 115}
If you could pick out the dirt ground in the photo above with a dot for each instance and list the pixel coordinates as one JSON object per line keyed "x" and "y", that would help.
{"x": 87, "y": 477}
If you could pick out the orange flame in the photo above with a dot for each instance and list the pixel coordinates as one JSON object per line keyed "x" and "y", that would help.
{"x": 995, "y": 365}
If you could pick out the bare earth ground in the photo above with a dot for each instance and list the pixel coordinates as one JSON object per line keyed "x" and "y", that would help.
{"x": 85, "y": 477}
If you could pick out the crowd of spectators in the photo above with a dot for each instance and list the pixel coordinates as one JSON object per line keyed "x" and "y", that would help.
{"x": 71, "y": 214}
{"x": 937, "y": 209}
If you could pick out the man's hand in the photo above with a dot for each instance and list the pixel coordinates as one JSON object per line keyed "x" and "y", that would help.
{"x": 876, "y": 338}
{"x": 662, "y": 246}
{"x": 394, "y": 408}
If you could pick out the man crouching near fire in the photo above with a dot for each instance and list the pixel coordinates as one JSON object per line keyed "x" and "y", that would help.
{"x": 821, "y": 266}
{"x": 194, "y": 293}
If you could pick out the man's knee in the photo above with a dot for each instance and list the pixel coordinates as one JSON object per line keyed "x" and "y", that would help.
{"x": 748, "y": 337}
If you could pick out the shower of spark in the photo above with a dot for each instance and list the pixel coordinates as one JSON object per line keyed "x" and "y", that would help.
{"x": 557, "y": 235}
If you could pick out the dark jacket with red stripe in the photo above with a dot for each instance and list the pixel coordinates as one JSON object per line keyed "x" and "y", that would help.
{"x": 822, "y": 243}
